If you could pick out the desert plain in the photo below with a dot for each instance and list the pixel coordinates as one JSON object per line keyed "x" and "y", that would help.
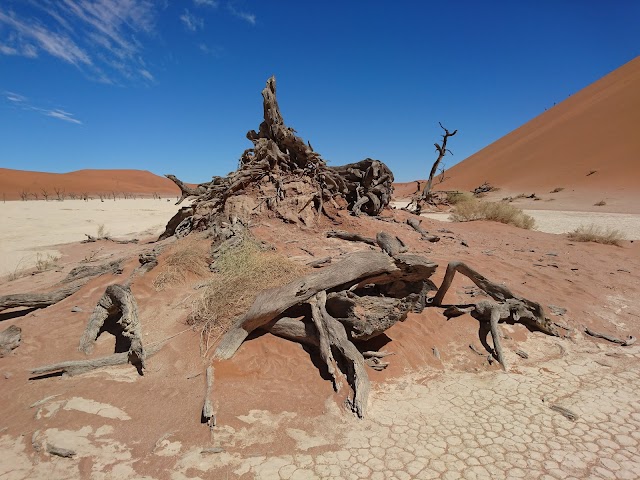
{"x": 564, "y": 406}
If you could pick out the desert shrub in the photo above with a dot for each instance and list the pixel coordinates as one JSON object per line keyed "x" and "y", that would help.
{"x": 102, "y": 232}
{"x": 557, "y": 189}
{"x": 186, "y": 256}
{"x": 496, "y": 211}
{"x": 601, "y": 203}
{"x": 454, "y": 198}
{"x": 46, "y": 262}
{"x": 594, "y": 233}
{"x": 242, "y": 272}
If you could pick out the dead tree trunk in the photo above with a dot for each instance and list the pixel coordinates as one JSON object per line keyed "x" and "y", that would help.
{"x": 283, "y": 174}
{"x": 117, "y": 310}
{"x": 442, "y": 151}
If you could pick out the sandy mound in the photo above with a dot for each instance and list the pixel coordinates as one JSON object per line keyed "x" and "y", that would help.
{"x": 92, "y": 182}
{"x": 587, "y": 145}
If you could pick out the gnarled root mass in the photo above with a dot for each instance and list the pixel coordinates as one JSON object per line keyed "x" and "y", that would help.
{"x": 284, "y": 175}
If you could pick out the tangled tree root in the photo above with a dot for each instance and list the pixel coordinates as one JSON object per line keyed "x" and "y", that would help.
{"x": 284, "y": 175}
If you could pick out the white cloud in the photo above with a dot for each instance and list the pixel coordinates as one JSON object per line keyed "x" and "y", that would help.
{"x": 147, "y": 74}
{"x": 23, "y": 103}
{"x": 191, "y": 22}
{"x": 206, "y": 3}
{"x": 93, "y": 35}
{"x": 247, "y": 17}
{"x": 212, "y": 50}
{"x": 61, "y": 115}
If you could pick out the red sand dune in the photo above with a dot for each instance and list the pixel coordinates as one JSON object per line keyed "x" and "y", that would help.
{"x": 93, "y": 182}
{"x": 597, "y": 129}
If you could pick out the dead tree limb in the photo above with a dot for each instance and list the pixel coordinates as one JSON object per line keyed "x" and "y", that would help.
{"x": 415, "y": 224}
{"x": 36, "y": 300}
{"x": 9, "y": 339}
{"x": 272, "y": 302}
{"x": 117, "y": 309}
{"x": 630, "y": 340}
{"x": 519, "y": 308}
{"x": 390, "y": 244}
{"x": 208, "y": 414}
{"x": 351, "y": 237}
{"x": 77, "y": 367}
{"x": 337, "y": 339}
{"x": 442, "y": 151}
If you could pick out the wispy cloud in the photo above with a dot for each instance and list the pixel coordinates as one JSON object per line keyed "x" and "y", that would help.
{"x": 99, "y": 37}
{"x": 22, "y": 102}
{"x": 247, "y": 17}
{"x": 212, "y": 50}
{"x": 206, "y": 3}
{"x": 191, "y": 22}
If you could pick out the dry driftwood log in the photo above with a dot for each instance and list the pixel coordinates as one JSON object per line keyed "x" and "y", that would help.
{"x": 284, "y": 175}
{"x": 9, "y": 339}
{"x": 272, "y": 302}
{"x": 208, "y": 414}
{"x": 116, "y": 312}
{"x": 630, "y": 340}
{"x": 415, "y": 224}
{"x": 333, "y": 336}
{"x": 351, "y": 237}
{"x": 77, "y": 367}
{"x": 506, "y": 305}
{"x": 77, "y": 277}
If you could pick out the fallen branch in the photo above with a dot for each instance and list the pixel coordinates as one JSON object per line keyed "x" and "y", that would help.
{"x": 415, "y": 224}
{"x": 351, "y": 237}
{"x": 77, "y": 367}
{"x": 9, "y": 339}
{"x": 37, "y": 300}
{"x": 630, "y": 340}
{"x": 208, "y": 415}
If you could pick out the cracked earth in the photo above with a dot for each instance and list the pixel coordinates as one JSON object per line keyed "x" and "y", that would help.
{"x": 425, "y": 425}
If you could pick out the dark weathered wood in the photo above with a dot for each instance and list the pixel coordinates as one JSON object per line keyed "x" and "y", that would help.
{"x": 624, "y": 342}
{"x": 390, "y": 244}
{"x": 442, "y": 151}
{"x": 337, "y": 340}
{"x": 90, "y": 271}
{"x": 119, "y": 303}
{"x": 77, "y": 367}
{"x": 208, "y": 414}
{"x": 366, "y": 317}
{"x": 60, "y": 452}
{"x": 351, "y": 237}
{"x": 282, "y": 173}
{"x": 415, "y": 224}
{"x": 9, "y": 339}
{"x": 519, "y": 308}
{"x": 272, "y": 302}
{"x": 36, "y": 300}
{"x": 296, "y": 330}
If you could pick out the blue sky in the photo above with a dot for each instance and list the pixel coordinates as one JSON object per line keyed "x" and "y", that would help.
{"x": 173, "y": 86}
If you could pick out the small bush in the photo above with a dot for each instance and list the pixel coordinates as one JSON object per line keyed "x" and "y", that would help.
{"x": 557, "y": 189}
{"x": 102, "y": 232}
{"x": 496, "y": 211}
{"x": 454, "y": 198}
{"x": 242, "y": 272}
{"x": 601, "y": 203}
{"x": 594, "y": 233}
{"x": 44, "y": 263}
{"x": 186, "y": 256}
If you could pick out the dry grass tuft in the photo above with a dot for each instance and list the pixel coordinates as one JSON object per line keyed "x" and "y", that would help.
{"x": 594, "y": 233}
{"x": 242, "y": 272}
{"x": 496, "y": 211}
{"x": 46, "y": 262}
{"x": 187, "y": 256}
{"x": 454, "y": 198}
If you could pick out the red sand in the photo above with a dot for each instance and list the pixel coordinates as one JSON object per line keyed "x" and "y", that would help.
{"x": 92, "y": 182}
{"x": 594, "y": 130}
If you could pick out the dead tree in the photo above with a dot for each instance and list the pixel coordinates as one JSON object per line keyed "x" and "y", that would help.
{"x": 60, "y": 193}
{"x": 419, "y": 200}
{"x": 283, "y": 175}
{"x": 45, "y": 194}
